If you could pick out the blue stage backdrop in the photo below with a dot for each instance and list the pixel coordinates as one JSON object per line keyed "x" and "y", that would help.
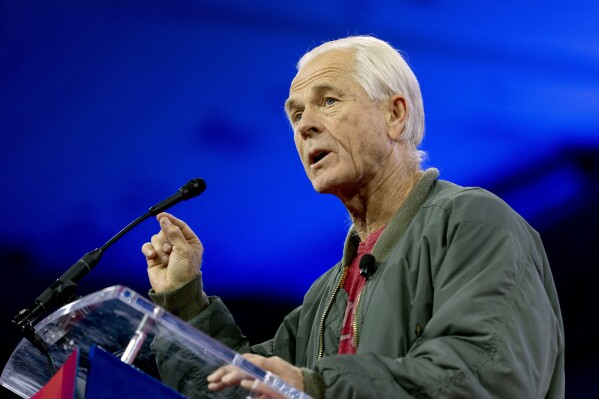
{"x": 107, "y": 107}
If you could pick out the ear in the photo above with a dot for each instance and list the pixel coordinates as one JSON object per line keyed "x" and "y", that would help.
{"x": 396, "y": 114}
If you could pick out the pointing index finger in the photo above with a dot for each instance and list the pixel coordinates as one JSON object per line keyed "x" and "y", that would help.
{"x": 188, "y": 234}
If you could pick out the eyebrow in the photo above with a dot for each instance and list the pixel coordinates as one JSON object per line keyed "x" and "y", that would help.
{"x": 291, "y": 104}
{"x": 317, "y": 90}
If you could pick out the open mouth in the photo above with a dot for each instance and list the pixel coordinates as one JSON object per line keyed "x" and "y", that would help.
{"x": 318, "y": 157}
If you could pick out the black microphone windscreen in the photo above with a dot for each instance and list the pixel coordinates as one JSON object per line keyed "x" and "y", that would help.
{"x": 367, "y": 262}
{"x": 367, "y": 266}
{"x": 193, "y": 188}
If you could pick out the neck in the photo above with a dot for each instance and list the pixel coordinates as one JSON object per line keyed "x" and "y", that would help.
{"x": 373, "y": 207}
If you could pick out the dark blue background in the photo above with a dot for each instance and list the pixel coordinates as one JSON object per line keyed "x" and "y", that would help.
{"x": 107, "y": 107}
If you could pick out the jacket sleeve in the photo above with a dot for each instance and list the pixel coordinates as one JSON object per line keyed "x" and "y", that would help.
{"x": 493, "y": 332}
{"x": 180, "y": 369}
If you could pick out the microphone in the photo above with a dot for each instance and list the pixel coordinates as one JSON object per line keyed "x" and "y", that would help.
{"x": 367, "y": 266}
{"x": 191, "y": 189}
{"x": 62, "y": 291}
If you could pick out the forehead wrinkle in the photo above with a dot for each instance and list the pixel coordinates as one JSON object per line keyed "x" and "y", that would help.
{"x": 321, "y": 88}
{"x": 302, "y": 82}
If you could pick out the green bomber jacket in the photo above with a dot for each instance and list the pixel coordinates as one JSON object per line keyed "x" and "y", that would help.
{"x": 462, "y": 304}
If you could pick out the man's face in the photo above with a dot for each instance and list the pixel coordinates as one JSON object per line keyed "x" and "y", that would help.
{"x": 340, "y": 134}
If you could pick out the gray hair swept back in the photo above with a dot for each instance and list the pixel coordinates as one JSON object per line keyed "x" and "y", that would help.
{"x": 382, "y": 71}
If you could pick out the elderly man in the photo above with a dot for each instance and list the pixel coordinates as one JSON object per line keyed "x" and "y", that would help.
{"x": 455, "y": 299}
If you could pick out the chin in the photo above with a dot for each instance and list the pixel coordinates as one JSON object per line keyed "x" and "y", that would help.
{"x": 319, "y": 187}
{"x": 324, "y": 187}
{"x": 329, "y": 182}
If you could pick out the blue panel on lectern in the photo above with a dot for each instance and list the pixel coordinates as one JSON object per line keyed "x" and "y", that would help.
{"x": 110, "y": 378}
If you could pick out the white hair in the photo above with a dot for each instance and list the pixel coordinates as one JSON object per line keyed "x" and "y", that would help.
{"x": 382, "y": 71}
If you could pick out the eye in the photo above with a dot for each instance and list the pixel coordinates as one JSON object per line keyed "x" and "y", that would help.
{"x": 296, "y": 117}
{"x": 329, "y": 101}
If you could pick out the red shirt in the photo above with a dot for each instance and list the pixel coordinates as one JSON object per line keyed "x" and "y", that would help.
{"x": 354, "y": 283}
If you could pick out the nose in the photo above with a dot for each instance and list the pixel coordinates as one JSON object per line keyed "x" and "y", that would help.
{"x": 310, "y": 123}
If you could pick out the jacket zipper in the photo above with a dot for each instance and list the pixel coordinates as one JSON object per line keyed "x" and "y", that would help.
{"x": 355, "y": 318}
{"x": 327, "y": 310}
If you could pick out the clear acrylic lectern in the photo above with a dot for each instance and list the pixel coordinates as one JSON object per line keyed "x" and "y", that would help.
{"x": 126, "y": 324}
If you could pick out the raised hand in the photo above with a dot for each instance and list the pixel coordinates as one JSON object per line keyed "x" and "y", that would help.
{"x": 174, "y": 255}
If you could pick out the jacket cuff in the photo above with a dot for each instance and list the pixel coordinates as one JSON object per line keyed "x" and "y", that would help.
{"x": 185, "y": 302}
{"x": 313, "y": 383}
